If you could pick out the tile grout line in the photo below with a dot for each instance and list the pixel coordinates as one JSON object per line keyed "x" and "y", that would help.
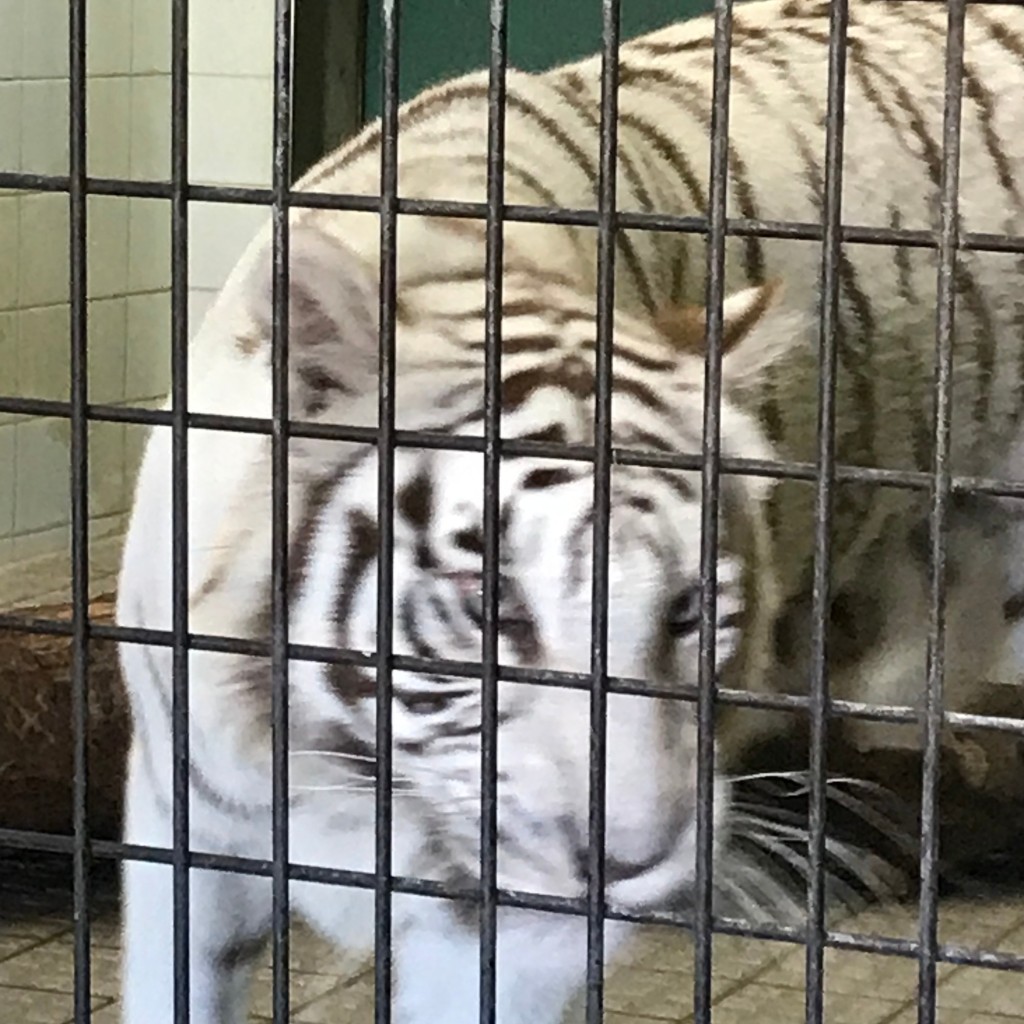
{"x": 33, "y": 944}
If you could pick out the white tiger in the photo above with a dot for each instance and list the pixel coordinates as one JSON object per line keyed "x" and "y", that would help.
{"x": 886, "y": 341}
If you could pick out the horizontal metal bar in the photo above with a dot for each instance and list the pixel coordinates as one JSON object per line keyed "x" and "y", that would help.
{"x": 436, "y": 441}
{"x": 46, "y": 842}
{"x": 789, "y": 703}
{"x": 739, "y": 227}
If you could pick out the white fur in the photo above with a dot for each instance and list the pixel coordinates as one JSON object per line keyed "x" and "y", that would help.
{"x": 543, "y": 748}
{"x": 544, "y": 741}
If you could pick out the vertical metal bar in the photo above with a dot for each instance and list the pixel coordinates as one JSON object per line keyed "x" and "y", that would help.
{"x": 280, "y": 185}
{"x": 491, "y": 511}
{"x": 831, "y": 253}
{"x": 180, "y": 858}
{"x": 606, "y": 240}
{"x": 949, "y": 238}
{"x": 710, "y": 466}
{"x": 79, "y": 485}
{"x": 389, "y": 14}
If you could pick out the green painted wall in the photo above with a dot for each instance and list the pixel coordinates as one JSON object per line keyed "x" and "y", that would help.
{"x": 442, "y": 38}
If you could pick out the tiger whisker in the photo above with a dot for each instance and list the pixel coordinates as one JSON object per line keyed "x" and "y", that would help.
{"x": 345, "y": 788}
{"x": 776, "y": 902}
{"x": 362, "y": 758}
{"x": 421, "y": 770}
{"x": 769, "y": 813}
{"x": 832, "y": 781}
{"x": 758, "y": 776}
{"x": 777, "y": 828}
{"x": 781, "y": 849}
{"x": 341, "y": 754}
{"x": 888, "y": 824}
{"x": 858, "y": 861}
{"x": 751, "y": 908}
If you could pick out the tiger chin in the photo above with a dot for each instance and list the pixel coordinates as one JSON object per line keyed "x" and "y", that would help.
{"x": 546, "y": 506}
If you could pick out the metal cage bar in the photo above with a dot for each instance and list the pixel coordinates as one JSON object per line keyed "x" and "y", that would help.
{"x": 831, "y": 252}
{"x": 180, "y": 732}
{"x": 793, "y": 703}
{"x": 950, "y": 953}
{"x": 740, "y": 227}
{"x": 599, "y": 593}
{"x": 710, "y": 470}
{"x": 496, "y": 90}
{"x": 773, "y": 469}
{"x": 79, "y": 491}
{"x": 940, "y": 495}
{"x": 389, "y": 13}
{"x": 819, "y": 707}
{"x": 279, "y": 439}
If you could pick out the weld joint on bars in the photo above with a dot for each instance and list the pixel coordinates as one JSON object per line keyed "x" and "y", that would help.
{"x": 811, "y": 231}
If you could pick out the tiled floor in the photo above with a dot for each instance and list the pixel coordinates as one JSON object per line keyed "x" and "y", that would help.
{"x": 753, "y": 980}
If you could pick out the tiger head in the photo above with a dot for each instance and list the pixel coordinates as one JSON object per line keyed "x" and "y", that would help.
{"x": 545, "y": 521}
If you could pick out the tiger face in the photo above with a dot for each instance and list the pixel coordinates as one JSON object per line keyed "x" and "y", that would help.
{"x": 546, "y": 515}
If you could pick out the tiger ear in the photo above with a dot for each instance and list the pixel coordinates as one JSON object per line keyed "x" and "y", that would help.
{"x": 332, "y": 317}
{"x": 756, "y": 331}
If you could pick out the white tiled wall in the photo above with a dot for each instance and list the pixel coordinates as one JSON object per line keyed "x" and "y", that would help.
{"x": 231, "y": 132}
{"x": 128, "y": 110}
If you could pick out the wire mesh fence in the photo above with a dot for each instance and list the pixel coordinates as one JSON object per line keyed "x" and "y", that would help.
{"x": 825, "y": 474}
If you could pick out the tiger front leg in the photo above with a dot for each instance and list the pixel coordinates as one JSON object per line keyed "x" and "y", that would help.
{"x": 541, "y": 963}
{"x": 227, "y": 922}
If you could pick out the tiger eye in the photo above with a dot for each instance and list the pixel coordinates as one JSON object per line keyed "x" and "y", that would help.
{"x": 683, "y": 614}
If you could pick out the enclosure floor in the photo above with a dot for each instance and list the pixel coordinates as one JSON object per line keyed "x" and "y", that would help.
{"x": 753, "y": 980}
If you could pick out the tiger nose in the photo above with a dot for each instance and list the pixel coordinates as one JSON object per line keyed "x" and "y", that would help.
{"x": 652, "y": 884}
{"x": 616, "y": 870}
{"x": 623, "y": 871}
